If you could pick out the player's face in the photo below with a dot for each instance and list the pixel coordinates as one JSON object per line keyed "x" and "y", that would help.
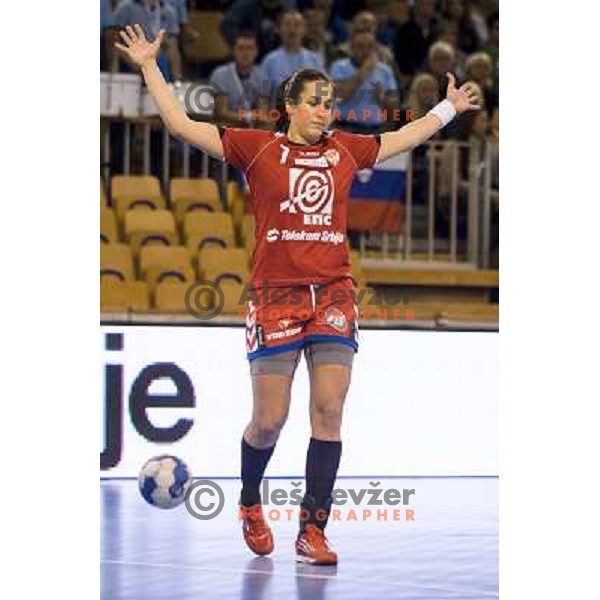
{"x": 312, "y": 114}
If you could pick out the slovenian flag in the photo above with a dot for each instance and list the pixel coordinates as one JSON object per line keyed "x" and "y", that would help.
{"x": 377, "y": 197}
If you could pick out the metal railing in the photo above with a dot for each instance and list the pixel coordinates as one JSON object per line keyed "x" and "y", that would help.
{"x": 447, "y": 182}
{"x": 140, "y": 129}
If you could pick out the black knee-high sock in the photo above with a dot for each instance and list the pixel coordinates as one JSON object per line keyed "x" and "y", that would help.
{"x": 254, "y": 463}
{"x": 322, "y": 462}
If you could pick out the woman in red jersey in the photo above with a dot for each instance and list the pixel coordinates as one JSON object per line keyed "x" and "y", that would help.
{"x": 302, "y": 292}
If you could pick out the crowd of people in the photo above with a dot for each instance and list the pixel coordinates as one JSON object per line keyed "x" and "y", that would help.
{"x": 387, "y": 56}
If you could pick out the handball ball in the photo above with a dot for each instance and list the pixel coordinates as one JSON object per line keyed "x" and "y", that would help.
{"x": 164, "y": 481}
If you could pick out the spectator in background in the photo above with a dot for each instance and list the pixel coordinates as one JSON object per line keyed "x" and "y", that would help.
{"x": 316, "y": 36}
{"x": 180, "y": 8}
{"x": 365, "y": 21}
{"x": 152, "y": 16}
{"x": 441, "y": 60}
{"x": 186, "y": 33}
{"x": 424, "y": 95}
{"x": 399, "y": 12}
{"x": 385, "y": 28}
{"x": 477, "y": 11}
{"x": 479, "y": 69}
{"x": 240, "y": 84}
{"x": 260, "y": 16}
{"x": 457, "y": 12}
{"x": 291, "y": 55}
{"x": 334, "y": 24}
{"x": 491, "y": 48}
{"x": 108, "y": 36}
{"x": 366, "y": 85}
{"x": 449, "y": 33}
{"x": 414, "y": 38}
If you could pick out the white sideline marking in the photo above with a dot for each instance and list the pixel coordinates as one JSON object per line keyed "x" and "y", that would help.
{"x": 236, "y": 571}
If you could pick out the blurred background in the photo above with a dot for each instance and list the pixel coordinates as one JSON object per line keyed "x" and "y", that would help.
{"x": 423, "y": 226}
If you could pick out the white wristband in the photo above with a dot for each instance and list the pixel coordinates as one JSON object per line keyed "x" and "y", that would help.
{"x": 444, "y": 111}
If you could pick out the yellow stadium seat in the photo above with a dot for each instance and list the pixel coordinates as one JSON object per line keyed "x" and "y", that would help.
{"x": 103, "y": 201}
{"x": 208, "y": 229}
{"x": 116, "y": 262}
{"x": 248, "y": 225}
{"x": 108, "y": 225}
{"x": 210, "y": 46}
{"x": 233, "y": 192}
{"x": 189, "y": 195}
{"x": 150, "y": 227}
{"x": 169, "y": 297}
{"x": 123, "y": 206}
{"x": 120, "y": 296}
{"x": 219, "y": 264}
{"x": 233, "y": 298}
{"x": 165, "y": 263}
{"x": 136, "y": 191}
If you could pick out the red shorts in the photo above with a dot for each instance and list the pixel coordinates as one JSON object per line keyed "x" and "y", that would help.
{"x": 286, "y": 318}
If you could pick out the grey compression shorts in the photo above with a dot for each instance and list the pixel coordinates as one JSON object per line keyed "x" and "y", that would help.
{"x": 317, "y": 353}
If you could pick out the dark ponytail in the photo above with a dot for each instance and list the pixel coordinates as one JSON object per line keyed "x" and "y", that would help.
{"x": 290, "y": 89}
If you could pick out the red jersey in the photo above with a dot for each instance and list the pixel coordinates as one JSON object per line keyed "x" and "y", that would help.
{"x": 299, "y": 196}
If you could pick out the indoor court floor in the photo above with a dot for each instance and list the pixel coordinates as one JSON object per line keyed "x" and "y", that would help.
{"x": 450, "y": 550}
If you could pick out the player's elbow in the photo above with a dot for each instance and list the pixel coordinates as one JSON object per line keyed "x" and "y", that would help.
{"x": 179, "y": 128}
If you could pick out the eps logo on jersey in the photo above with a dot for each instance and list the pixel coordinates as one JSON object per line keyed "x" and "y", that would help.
{"x": 311, "y": 193}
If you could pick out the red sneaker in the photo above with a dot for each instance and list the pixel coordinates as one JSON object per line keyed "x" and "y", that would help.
{"x": 313, "y": 547}
{"x": 257, "y": 533}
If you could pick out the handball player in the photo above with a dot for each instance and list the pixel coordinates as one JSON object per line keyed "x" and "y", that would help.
{"x": 302, "y": 298}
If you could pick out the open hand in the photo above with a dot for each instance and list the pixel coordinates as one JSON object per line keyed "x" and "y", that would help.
{"x": 137, "y": 48}
{"x": 463, "y": 98}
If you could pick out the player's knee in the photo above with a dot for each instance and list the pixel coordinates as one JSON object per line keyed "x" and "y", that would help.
{"x": 268, "y": 428}
{"x": 328, "y": 417}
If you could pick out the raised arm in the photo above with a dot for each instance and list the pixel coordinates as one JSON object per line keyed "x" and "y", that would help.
{"x": 143, "y": 53}
{"x": 457, "y": 101}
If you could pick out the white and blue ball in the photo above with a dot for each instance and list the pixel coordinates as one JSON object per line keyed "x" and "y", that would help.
{"x": 164, "y": 481}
